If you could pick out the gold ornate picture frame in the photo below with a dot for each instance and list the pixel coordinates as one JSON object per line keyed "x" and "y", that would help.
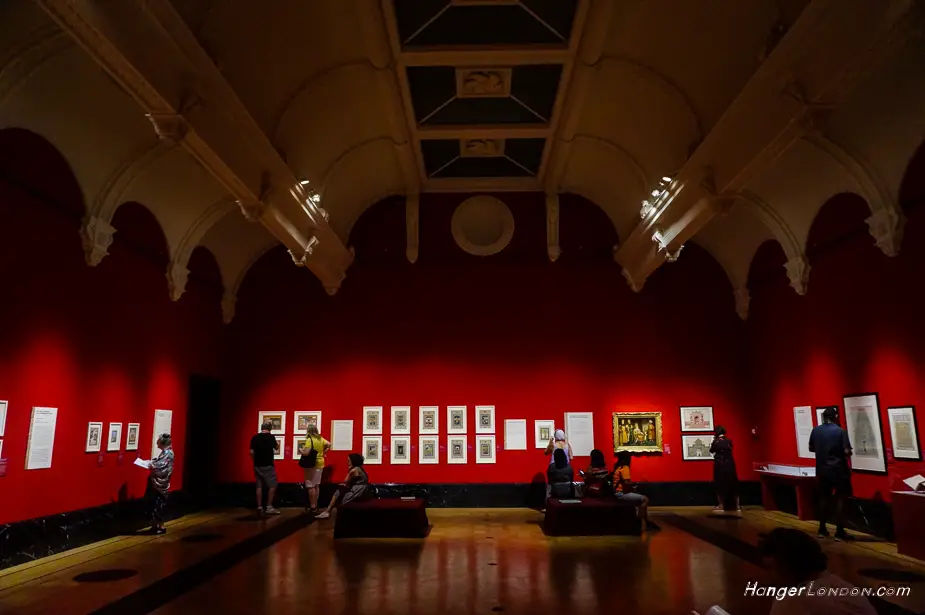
{"x": 637, "y": 432}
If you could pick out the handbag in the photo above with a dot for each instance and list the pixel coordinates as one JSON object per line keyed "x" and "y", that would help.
{"x": 308, "y": 461}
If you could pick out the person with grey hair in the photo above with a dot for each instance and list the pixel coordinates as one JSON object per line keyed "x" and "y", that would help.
{"x": 263, "y": 450}
{"x": 313, "y": 451}
{"x": 161, "y": 469}
{"x": 559, "y": 440}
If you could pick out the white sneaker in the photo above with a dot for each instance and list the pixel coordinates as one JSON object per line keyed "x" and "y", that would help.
{"x": 272, "y": 511}
{"x": 323, "y": 515}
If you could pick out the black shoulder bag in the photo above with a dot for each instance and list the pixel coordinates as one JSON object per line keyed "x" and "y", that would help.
{"x": 308, "y": 461}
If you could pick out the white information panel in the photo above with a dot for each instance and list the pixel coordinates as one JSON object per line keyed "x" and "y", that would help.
{"x": 803, "y": 423}
{"x": 41, "y": 438}
{"x": 579, "y": 427}
{"x": 341, "y": 435}
{"x": 162, "y": 422}
{"x": 515, "y": 435}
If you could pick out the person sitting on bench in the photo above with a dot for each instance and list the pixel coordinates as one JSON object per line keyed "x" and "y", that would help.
{"x": 352, "y": 489}
{"x": 598, "y": 482}
{"x": 624, "y": 490}
{"x": 560, "y": 476}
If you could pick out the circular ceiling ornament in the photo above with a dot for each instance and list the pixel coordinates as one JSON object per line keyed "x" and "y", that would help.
{"x": 482, "y": 225}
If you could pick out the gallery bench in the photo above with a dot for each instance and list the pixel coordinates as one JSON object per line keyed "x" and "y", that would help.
{"x": 590, "y": 517}
{"x": 382, "y": 518}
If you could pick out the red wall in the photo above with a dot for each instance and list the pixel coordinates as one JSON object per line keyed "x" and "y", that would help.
{"x": 858, "y": 329}
{"x": 100, "y": 344}
{"x": 536, "y": 339}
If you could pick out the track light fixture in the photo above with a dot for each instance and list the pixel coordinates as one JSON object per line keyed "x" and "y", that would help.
{"x": 656, "y": 195}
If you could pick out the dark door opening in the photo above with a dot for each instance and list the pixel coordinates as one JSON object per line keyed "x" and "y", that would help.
{"x": 200, "y": 475}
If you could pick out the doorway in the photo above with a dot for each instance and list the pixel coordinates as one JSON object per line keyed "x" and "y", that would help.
{"x": 200, "y": 475}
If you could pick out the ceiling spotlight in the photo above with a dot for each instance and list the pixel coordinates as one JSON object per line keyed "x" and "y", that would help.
{"x": 666, "y": 179}
{"x": 656, "y": 192}
{"x": 315, "y": 198}
{"x": 303, "y": 182}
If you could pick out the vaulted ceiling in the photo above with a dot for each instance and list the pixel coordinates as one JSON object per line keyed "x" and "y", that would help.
{"x": 245, "y": 124}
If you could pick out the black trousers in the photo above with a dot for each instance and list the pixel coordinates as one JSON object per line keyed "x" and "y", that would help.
{"x": 833, "y": 486}
{"x": 155, "y": 504}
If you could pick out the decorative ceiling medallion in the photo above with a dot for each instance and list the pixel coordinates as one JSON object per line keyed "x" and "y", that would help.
{"x": 483, "y": 82}
{"x": 481, "y": 148}
{"x": 482, "y": 225}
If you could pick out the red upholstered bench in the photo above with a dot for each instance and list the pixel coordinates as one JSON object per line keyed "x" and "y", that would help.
{"x": 386, "y": 518}
{"x": 591, "y": 517}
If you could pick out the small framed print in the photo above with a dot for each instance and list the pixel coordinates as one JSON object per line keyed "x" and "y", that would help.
{"x": 401, "y": 450}
{"x": 401, "y": 420}
{"x": 904, "y": 433}
{"x": 114, "y": 441}
{"x": 276, "y": 418}
{"x": 372, "y": 420}
{"x": 3, "y": 408}
{"x": 297, "y": 442}
{"x": 485, "y": 419}
{"x": 131, "y": 436}
{"x": 456, "y": 449}
{"x": 304, "y": 419}
{"x": 279, "y": 452}
{"x": 697, "y": 418}
{"x": 429, "y": 420}
{"x": 372, "y": 450}
{"x": 865, "y": 432}
{"x": 456, "y": 419}
{"x": 94, "y": 438}
{"x": 543, "y": 432}
{"x": 484, "y": 449}
{"x": 1, "y": 449}
{"x": 696, "y": 448}
{"x": 428, "y": 450}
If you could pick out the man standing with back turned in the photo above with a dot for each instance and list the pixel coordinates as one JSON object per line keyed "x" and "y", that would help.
{"x": 833, "y": 448}
{"x": 263, "y": 449}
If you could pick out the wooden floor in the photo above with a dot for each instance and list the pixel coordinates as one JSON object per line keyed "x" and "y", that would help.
{"x": 474, "y": 561}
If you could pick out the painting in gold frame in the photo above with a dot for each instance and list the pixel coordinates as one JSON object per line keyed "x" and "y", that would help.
{"x": 637, "y": 432}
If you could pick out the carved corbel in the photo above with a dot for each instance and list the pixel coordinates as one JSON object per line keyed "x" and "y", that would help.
{"x": 301, "y": 260}
{"x": 170, "y": 127}
{"x": 412, "y": 214}
{"x": 332, "y": 289}
{"x": 177, "y": 276}
{"x": 229, "y": 301}
{"x": 743, "y": 299}
{"x": 552, "y": 227}
{"x": 887, "y": 227}
{"x": 96, "y": 236}
{"x": 253, "y": 211}
{"x": 798, "y": 272}
{"x": 636, "y": 287}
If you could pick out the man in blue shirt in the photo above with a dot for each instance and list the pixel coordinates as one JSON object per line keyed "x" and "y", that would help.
{"x": 833, "y": 448}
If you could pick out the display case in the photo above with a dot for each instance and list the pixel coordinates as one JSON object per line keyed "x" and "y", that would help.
{"x": 780, "y": 482}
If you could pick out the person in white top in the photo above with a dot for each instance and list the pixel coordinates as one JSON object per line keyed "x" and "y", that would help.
{"x": 796, "y": 560}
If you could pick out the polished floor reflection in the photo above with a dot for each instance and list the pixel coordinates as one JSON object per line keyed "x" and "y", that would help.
{"x": 474, "y": 561}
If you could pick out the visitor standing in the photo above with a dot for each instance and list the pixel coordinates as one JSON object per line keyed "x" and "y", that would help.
{"x": 832, "y": 447}
{"x": 263, "y": 450}
{"x": 313, "y": 452}
{"x": 160, "y": 470}
{"x": 725, "y": 478}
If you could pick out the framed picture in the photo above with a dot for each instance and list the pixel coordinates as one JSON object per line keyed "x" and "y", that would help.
{"x": 485, "y": 419}
{"x": 456, "y": 419}
{"x": 696, "y": 448}
{"x": 279, "y": 451}
{"x": 372, "y": 450}
{"x": 484, "y": 449}
{"x": 428, "y": 420}
{"x": 862, "y": 420}
{"x": 114, "y": 441}
{"x": 303, "y": 419}
{"x": 372, "y": 420}
{"x": 697, "y": 418}
{"x": 131, "y": 436}
{"x": 428, "y": 450}
{"x": 904, "y": 433}
{"x": 400, "y": 452}
{"x": 456, "y": 449}
{"x": 1, "y": 449}
{"x": 94, "y": 438}
{"x": 4, "y": 405}
{"x": 637, "y": 432}
{"x": 822, "y": 409}
{"x": 543, "y": 432}
{"x": 297, "y": 442}
{"x": 277, "y": 418}
{"x": 401, "y": 420}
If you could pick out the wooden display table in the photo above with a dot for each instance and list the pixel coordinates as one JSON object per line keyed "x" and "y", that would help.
{"x": 590, "y": 517}
{"x": 908, "y": 512}
{"x": 385, "y": 518}
{"x": 805, "y": 487}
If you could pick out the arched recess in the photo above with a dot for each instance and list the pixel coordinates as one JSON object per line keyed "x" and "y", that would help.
{"x": 607, "y": 175}
{"x": 345, "y": 198}
{"x": 205, "y": 272}
{"x": 209, "y": 217}
{"x": 138, "y": 229}
{"x": 340, "y": 98}
{"x": 912, "y": 188}
{"x": 236, "y": 244}
{"x": 30, "y": 162}
{"x": 839, "y": 218}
